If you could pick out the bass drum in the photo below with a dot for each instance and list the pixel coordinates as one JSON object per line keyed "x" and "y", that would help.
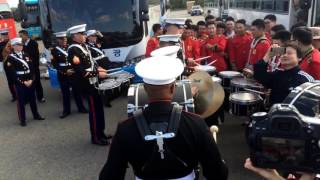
{"x": 137, "y": 97}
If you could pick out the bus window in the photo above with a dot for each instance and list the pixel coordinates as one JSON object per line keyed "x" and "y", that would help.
{"x": 282, "y": 6}
{"x": 267, "y": 4}
{"x": 251, "y": 4}
{"x": 317, "y": 19}
{"x": 239, "y": 4}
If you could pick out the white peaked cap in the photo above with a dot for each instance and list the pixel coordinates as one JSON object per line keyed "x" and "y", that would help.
{"x": 170, "y": 38}
{"x": 177, "y": 21}
{"x": 159, "y": 70}
{"x": 166, "y": 51}
{"x": 91, "y": 32}
{"x": 61, "y": 34}
{"x": 77, "y": 29}
{"x": 16, "y": 41}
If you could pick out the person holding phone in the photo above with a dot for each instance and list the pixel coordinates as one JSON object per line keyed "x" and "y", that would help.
{"x": 281, "y": 82}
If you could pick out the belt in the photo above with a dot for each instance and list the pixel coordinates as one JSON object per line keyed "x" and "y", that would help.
{"x": 88, "y": 70}
{"x": 191, "y": 176}
{"x": 64, "y": 64}
{"x": 99, "y": 57}
{"x": 22, "y": 72}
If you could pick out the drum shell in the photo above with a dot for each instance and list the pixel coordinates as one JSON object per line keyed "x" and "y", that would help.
{"x": 112, "y": 93}
{"x": 226, "y": 79}
{"x": 137, "y": 97}
{"x": 239, "y": 108}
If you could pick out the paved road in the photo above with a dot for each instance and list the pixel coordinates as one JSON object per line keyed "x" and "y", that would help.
{"x": 57, "y": 149}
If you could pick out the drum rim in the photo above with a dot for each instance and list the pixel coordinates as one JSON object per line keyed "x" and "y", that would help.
{"x": 235, "y": 82}
{"x": 245, "y": 102}
{"x": 237, "y": 74}
{"x": 116, "y": 85}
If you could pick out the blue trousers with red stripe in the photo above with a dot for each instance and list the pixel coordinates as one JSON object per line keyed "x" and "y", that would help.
{"x": 96, "y": 116}
{"x": 26, "y": 94}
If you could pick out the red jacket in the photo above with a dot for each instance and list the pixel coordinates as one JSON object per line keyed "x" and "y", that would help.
{"x": 268, "y": 36}
{"x": 258, "y": 51}
{"x": 311, "y": 64}
{"x": 238, "y": 49}
{"x": 192, "y": 48}
{"x": 152, "y": 44}
{"x": 220, "y": 42}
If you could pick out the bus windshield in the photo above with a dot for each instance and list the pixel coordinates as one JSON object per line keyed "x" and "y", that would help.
{"x": 33, "y": 14}
{"x": 115, "y": 19}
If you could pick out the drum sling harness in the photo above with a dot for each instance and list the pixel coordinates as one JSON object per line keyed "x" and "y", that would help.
{"x": 158, "y": 131}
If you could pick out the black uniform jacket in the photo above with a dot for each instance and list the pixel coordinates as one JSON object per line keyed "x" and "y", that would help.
{"x": 280, "y": 82}
{"x": 33, "y": 51}
{"x": 97, "y": 53}
{"x": 82, "y": 64}
{"x": 18, "y": 70}
{"x": 193, "y": 143}
{"x": 2, "y": 46}
{"x": 60, "y": 61}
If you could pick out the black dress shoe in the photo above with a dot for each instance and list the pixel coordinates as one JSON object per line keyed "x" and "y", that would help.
{"x": 108, "y": 136}
{"x": 39, "y": 118}
{"x": 83, "y": 111}
{"x": 13, "y": 99}
{"x": 63, "y": 115}
{"x": 101, "y": 142}
{"x": 43, "y": 100}
{"x": 23, "y": 124}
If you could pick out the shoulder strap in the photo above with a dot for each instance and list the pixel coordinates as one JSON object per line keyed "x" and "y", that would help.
{"x": 175, "y": 119}
{"x": 62, "y": 51}
{"x": 20, "y": 60}
{"x": 142, "y": 124}
{"x": 80, "y": 47}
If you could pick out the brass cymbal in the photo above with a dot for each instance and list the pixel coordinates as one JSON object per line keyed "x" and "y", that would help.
{"x": 210, "y": 95}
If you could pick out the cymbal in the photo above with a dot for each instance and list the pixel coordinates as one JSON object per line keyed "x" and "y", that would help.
{"x": 210, "y": 94}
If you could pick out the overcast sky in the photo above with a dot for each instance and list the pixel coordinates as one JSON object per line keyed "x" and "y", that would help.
{"x": 13, "y": 3}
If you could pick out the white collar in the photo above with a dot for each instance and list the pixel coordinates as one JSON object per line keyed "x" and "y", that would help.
{"x": 27, "y": 42}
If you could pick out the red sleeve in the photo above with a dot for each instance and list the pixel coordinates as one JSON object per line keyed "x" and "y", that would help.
{"x": 315, "y": 66}
{"x": 231, "y": 50}
{"x": 203, "y": 49}
{"x": 151, "y": 45}
{"x": 222, "y": 44}
{"x": 262, "y": 49}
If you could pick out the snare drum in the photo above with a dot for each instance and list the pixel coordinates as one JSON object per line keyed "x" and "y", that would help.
{"x": 238, "y": 84}
{"x": 227, "y": 76}
{"x": 137, "y": 97}
{"x": 125, "y": 79}
{"x": 209, "y": 69}
{"x": 109, "y": 89}
{"x": 216, "y": 79}
{"x": 244, "y": 103}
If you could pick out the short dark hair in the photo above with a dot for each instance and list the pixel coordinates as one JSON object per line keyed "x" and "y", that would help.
{"x": 282, "y": 35}
{"x": 241, "y": 21}
{"x": 211, "y": 23}
{"x": 156, "y": 27}
{"x": 188, "y": 22}
{"x": 221, "y": 25}
{"x": 296, "y": 47}
{"x": 209, "y": 17}
{"x": 219, "y": 19}
{"x": 201, "y": 23}
{"x": 230, "y": 18}
{"x": 278, "y": 27}
{"x": 259, "y": 23}
{"x": 271, "y": 17}
{"x": 303, "y": 35}
{"x": 299, "y": 24}
{"x": 24, "y": 32}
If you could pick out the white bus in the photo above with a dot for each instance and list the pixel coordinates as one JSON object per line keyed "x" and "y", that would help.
{"x": 288, "y": 12}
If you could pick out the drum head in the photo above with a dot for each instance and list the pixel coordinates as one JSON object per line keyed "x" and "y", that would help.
{"x": 244, "y": 98}
{"x": 205, "y": 68}
{"x": 109, "y": 84}
{"x": 216, "y": 79}
{"x": 229, "y": 74}
{"x": 245, "y": 82}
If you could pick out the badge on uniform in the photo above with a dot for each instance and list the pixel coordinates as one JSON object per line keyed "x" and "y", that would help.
{"x": 76, "y": 60}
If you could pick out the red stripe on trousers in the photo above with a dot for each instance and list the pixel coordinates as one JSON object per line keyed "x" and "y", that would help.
{"x": 94, "y": 118}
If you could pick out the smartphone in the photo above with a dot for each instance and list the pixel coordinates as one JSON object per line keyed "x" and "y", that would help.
{"x": 278, "y": 51}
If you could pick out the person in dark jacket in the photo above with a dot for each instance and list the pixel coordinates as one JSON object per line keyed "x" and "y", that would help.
{"x": 31, "y": 47}
{"x": 174, "y": 157}
{"x": 281, "y": 82}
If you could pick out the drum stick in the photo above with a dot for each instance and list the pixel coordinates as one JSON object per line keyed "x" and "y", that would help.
{"x": 254, "y": 91}
{"x": 200, "y": 59}
{"x": 214, "y": 130}
{"x": 115, "y": 69}
{"x": 114, "y": 73}
{"x": 211, "y": 63}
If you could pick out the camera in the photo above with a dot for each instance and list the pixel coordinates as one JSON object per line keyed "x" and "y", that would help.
{"x": 285, "y": 139}
{"x": 277, "y": 51}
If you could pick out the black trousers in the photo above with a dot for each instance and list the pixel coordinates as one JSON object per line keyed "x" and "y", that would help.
{"x": 24, "y": 95}
{"x": 11, "y": 84}
{"x": 37, "y": 83}
{"x": 96, "y": 116}
{"x": 65, "y": 84}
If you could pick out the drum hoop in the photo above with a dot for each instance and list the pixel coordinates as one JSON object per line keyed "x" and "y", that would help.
{"x": 257, "y": 100}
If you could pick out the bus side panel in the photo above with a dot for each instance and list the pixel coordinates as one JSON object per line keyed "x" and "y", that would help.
{"x": 10, "y": 24}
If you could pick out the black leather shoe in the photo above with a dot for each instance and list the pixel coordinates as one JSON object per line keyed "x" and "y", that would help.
{"x": 100, "y": 142}
{"x": 63, "y": 115}
{"x": 43, "y": 100}
{"x": 108, "y": 136}
{"x": 39, "y": 118}
{"x": 83, "y": 111}
{"x": 23, "y": 124}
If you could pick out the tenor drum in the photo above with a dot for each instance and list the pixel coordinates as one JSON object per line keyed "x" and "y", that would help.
{"x": 109, "y": 87}
{"x": 238, "y": 84}
{"x": 244, "y": 103}
{"x": 227, "y": 76}
{"x": 209, "y": 69}
{"x": 137, "y": 97}
{"x": 125, "y": 79}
